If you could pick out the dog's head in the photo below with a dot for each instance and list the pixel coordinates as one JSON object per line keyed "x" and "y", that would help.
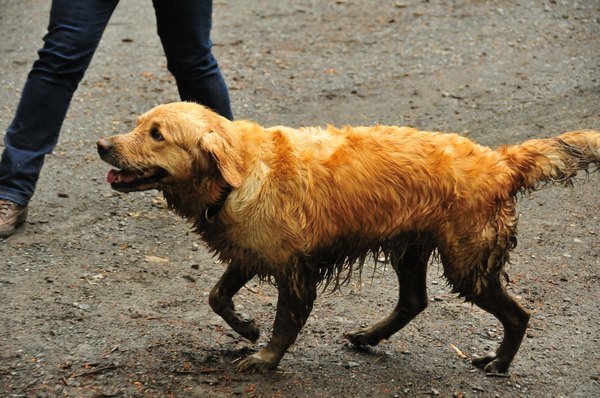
{"x": 175, "y": 143}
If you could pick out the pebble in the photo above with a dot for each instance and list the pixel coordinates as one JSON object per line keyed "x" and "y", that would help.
{"x": 352, "y": 365}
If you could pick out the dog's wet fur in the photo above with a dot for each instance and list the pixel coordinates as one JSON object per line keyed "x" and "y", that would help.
{"x": 305, "y": 207}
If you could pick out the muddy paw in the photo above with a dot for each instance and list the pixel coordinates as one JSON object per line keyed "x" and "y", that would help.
{"x": 255, "y": 363}
{"x": 497, "y": 366}
{"x": 362, "y": 338}
{"x": 491, "y": 363}
{"x": 248, "y": 329}
{"x": 481, "y": 362}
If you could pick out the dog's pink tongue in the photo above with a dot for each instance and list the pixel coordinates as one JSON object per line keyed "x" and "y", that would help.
{"x": 120, "y": 176}
{"x": 112, "y": 176}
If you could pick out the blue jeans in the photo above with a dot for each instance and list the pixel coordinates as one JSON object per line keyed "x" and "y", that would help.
{"x": 74, "y": 32}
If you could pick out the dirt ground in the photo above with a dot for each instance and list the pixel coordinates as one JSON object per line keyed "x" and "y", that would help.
{"x": 105, "y": 295}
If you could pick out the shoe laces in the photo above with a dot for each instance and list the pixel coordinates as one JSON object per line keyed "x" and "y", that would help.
{"x": 6, "y": 206}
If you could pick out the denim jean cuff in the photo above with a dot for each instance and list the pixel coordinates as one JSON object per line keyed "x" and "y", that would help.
{"x": 13, "y": 196}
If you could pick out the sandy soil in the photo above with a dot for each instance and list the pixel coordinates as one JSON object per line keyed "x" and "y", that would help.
{"x": 105, "y": 295}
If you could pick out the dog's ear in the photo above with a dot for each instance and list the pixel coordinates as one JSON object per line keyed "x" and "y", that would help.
{"x": 228, "y": 160}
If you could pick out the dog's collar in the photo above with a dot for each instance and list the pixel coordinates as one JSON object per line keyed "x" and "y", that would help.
{"x": 212, "y": 211}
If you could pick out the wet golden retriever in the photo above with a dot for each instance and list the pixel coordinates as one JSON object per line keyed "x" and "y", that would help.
{"x": 301, "y": 207}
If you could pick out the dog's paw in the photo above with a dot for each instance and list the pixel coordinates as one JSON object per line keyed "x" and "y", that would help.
{"x": 482, "y": 361}
{"x": 256, "y": 363}
{"x": 490, "y": 363}
{"x": 497, "y": 366}
{"x": 363, "y": 337}
{"x": 248, "y": 329}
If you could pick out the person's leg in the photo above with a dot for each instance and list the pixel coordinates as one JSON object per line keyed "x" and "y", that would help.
{"x": 74, "y": 30}
{"x": 184, "y": 30}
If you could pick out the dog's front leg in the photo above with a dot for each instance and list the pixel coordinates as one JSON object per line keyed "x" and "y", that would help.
{"x": 295, "y": 301}
{"x": 221, "y": 300}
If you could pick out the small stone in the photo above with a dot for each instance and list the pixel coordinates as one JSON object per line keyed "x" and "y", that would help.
{"x": 352, "y": 365}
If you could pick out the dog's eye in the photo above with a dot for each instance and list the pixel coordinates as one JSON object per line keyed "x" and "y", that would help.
{"x": 154, "y": 133}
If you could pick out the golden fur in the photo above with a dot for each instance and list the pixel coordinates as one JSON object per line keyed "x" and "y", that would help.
{"x": 299, "y": 206}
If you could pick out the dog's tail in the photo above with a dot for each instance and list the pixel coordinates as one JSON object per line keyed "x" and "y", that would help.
{"x": 555, "y": 159}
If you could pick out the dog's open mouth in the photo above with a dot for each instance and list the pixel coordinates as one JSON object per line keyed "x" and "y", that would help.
{"x": 133, "y": 180}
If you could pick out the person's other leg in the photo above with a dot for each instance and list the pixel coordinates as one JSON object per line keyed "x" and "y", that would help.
{"x": 184, "y": 30}
{"x": 74, "y": 31}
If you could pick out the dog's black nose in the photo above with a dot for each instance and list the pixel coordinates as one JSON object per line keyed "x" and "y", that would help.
{"x": 104, "y": 146}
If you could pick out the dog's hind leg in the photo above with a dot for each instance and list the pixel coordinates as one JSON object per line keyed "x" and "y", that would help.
{"x": 221, "y": 300}
{"x": 297, "y": 294}
{"x": 411, "y": 269}
{"x": 514, "y": 318}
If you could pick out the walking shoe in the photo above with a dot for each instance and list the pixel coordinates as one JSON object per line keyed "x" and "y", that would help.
{"x": 12, "y": 215}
